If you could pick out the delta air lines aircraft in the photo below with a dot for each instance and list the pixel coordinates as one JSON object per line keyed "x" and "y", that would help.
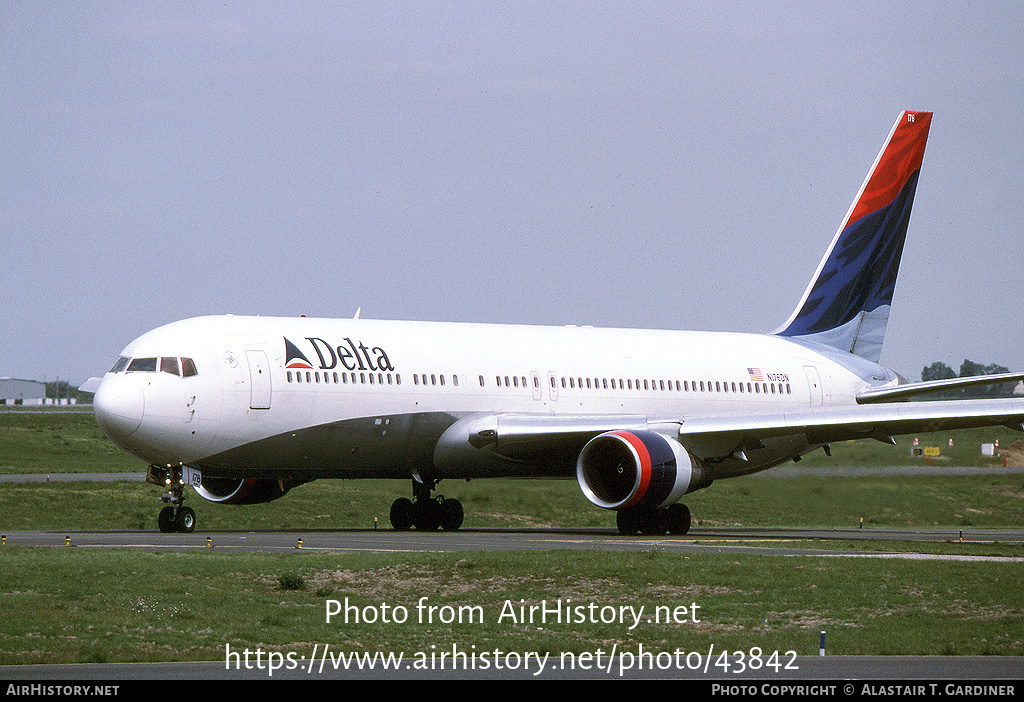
{"x": 243, "y": 409}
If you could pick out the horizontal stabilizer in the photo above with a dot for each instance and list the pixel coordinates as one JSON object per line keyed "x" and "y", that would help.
{"x": 902, "y": 392}
{"x": 90, "y": 385}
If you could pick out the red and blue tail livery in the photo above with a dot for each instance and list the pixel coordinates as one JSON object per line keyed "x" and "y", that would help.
{"x": 847, "y": 302}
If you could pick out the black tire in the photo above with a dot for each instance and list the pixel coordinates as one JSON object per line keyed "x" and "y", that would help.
{"x": 451, "y": 515}
{"x": 678, "y": 519}
{"x": 165, "y": 520}
{"x": 186, "y": 520}
{"x": 402, "y": 514}
{"x": 628, "y": 522}
{"x": 654, "y": 521}
{"x": 427, "y": 515}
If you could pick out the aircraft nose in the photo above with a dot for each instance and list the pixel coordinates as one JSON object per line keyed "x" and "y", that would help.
{"x": 118, "y": 409}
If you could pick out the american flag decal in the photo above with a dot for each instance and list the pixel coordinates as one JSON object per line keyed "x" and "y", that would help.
{"x": 755, "y": 375}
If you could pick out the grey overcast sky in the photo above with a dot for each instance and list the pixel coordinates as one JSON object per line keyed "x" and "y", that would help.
{"x": 661, "y": 165}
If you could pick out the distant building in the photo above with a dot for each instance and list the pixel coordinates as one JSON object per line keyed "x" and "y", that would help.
{"x": 22, "y": 392}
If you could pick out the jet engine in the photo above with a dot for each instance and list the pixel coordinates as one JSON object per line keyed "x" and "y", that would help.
{"x": 637, "y": 469}
{"x": 243, "y": 491}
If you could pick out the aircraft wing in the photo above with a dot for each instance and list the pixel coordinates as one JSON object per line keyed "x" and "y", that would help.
{"x": 720, "y": 435}
{"x": 530, "y": 436}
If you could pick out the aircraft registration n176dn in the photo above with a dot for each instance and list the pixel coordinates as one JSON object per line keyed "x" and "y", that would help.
{"x": 245, "y": 408}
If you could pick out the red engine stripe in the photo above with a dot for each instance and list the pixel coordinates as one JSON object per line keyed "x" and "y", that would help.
{"x": 645, "y": 463}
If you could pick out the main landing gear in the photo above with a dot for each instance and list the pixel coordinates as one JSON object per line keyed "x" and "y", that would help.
{"x": 424, "y": 512}
{"x": 673, "y": 519}
{"x": 175, "y": 517}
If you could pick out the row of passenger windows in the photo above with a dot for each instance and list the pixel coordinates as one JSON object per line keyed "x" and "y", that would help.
{"x": 519, "y": 381}
{"x": 336, "y": 378}
{"x": 677, "y": 385}
{"x": 183, "y": 367}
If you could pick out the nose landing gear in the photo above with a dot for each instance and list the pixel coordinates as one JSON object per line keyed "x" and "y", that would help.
{"x": 175, "y": 517}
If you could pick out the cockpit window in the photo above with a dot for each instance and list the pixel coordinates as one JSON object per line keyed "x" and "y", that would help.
{"x": 166, "y": 364}
{"x": 142, "y": 365}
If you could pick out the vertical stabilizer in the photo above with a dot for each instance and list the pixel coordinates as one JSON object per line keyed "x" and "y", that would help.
{"x": 846, "y": 304}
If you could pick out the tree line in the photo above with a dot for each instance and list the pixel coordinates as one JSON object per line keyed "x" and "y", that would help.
{"x": 940, "y": 371}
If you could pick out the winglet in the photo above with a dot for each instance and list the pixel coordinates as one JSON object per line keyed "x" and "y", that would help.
{"x": 846, "y": 304}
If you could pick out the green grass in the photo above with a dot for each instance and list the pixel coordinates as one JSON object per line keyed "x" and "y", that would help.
{"x": 58, "y": 440}
{"x": 90, "y": 605}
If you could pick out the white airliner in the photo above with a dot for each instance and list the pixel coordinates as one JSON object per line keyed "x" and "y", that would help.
{"x": 245, "y": 408}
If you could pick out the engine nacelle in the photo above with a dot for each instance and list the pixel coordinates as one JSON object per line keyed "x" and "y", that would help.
{"x": 243, "y": 491}
{"x": 636, "y": 468}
